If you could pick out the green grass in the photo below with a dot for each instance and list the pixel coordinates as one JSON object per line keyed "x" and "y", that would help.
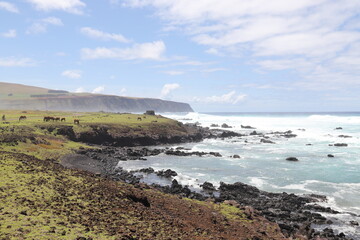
{"x": 35, "y": 137}
{"x": 27, "y": 208}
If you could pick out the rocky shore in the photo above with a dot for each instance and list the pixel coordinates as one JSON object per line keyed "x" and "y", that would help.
{"x": 295, "y": 215}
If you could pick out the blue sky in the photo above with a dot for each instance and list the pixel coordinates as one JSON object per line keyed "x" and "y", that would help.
{"x": 229, "y": 55}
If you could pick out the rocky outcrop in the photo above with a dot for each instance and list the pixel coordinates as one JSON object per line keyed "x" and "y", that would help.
{"x": 35, "y": 98}
{"x": 95, "y": 103}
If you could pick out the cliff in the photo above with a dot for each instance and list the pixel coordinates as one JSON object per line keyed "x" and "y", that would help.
{"x": 16, "y": 96}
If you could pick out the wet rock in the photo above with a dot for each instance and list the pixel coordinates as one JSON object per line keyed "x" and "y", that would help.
{"x": 147, "y": 170}
{"x": 236, "y": 156}
{"x": 344, "y": 136}
{"x": 330, "y": 155}
{"x": 247, "y": 127}
{"x": 166, "y": 174}
{"x": 226, "y": 134}
{"x": 214, "y": 125}
{"x": 308, "y": 144}
{"x": 224, "y": 125}
{"x": 292, "y": 159}
{"x": 354, "y": 223}
{"x": 338, "y": 128}
{"x": 208, "y": 186}
{"x": 340, "y": 145}
{"x": 215, "y": 154}
{"x": 266, "y": 141}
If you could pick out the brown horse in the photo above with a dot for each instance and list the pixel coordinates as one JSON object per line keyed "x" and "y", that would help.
{"x": 57, "y": 119}
{"x": 47, "y": 119}
{"x": 76, "y": 121}
{"x": 22, "y": 118}
{"x": 63, "y": 119}
{"x": 139, "y": 119}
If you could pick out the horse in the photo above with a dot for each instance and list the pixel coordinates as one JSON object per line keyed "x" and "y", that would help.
{"x": 22, "y": 118}
{"x": 139, "y": 119}
{"x": 63, "y": 120}
{"x": 57, "y": 119}
{"x": 76, "y": 121}
{"x": 47, "y": 119}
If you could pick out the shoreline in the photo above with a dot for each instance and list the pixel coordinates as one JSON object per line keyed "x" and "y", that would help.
{"x": 295, "y": 214}
{"x": 102, "y": 140}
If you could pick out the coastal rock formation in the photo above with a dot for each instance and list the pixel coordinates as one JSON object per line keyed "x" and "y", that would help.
{"x": 35, "y": 98}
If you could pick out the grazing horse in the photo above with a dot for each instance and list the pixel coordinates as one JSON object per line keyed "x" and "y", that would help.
{"x": 3, "y": 117}
{"x": 57, "y": 119}
{"x": 63, "y": 119}
{"x": 139, "y": 119}
{"x": 76, "y": 121}
{"x": 22, "y": 118}
{"x": 47, "y": 119}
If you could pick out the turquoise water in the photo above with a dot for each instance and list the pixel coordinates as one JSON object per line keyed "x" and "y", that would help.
{"x": 264, "y": 165}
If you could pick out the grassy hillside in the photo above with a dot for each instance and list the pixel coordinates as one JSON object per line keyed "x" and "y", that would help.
{"x": 40, "y": 199}
{"x": 51, "y": 139}
{"x": 7, "y": 88}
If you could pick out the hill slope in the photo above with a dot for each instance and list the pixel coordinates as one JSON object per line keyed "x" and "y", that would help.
{"x": 17, "y": 96}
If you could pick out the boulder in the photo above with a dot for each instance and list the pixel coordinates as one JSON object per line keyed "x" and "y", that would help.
{"x": 330, "y": 155}
{"x": 166, "y": 174}
{"x": 208, "y": 186}
{"x": 340, "y": 145}
{"x": 266, "y": 141}
{"x": 224, "y": 125}
{"x": 292, "y": 159}
{"x": 354, "y": 223}
{"x": 214, "y": 125}
{"x": 247, "y": 127}
{"x": 344, "y": 136}
{"x": 338, "y": 128}
{"x": 236, "y": 156}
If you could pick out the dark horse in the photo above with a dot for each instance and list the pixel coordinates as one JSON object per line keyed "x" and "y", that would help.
{"x": 139, "y": 118}
{"x": 76, "y": 121}
{"x": 47, "y": 119}
{"x": 63, "y": 119}
{"x": 22, "y": 118}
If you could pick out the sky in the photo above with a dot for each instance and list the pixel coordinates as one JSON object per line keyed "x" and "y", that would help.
{"x": 218, "y": 56}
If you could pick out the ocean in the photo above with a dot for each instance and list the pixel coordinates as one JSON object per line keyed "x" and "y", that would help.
{"x": 264, "y": 165}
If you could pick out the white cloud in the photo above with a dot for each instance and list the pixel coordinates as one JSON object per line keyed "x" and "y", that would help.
{"x": 70, "y": 6}
{"x": 99, "y": 89}
{"x": 80, "y": 90}
{"x": 213, "y": 51}
{"x": 97, "y": 34}
{"x": 122, "y": 91}
{"x": 9, "y": 7}
{"x": 150, "y": 51}
{"x": 167, "y": 88}
{"x": 298, "y": 35}
{"x": 9, "y": 34}
{"x": 41, "y": 25}
{"x": 73, "y": 74}
{"x": 16, "y": 62}
{"x": 173, "y": 73}
{"x": 230, "y": 98}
